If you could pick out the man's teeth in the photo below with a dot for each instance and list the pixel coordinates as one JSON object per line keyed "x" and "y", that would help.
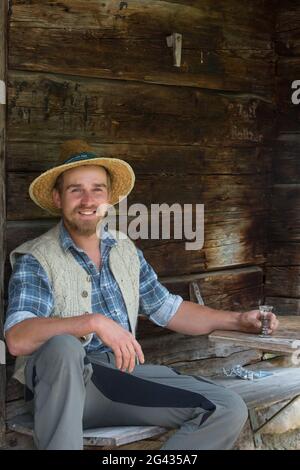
{"x": 87, "y": 213}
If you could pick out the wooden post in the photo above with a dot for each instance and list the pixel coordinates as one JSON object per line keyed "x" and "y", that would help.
{"x": 3, "y": 29}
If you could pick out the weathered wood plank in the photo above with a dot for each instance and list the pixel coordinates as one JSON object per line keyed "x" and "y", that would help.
{"x": 213, "y": 366}
{"x": 287, "y": 39}
{"x": 287, "y": 16}
{"x": 282, "y": 340}
{"x": 283, "y": 281}
{"x": 150, "y": 159}
{"x": 15, "y": 408}
{"x": 3, "y": 28}
{"x": 287, "y": 28}
{"x": 109, "y": 16}
{"x": 17, "y": 441}
{"x": 285, "y": 217}
{"x": 14, "y": 389}
{"x": 126, "y": 112}
{"x": 286, "y": 164}
{"x": 288, "y": 42}
{"x": 226, "y": 281}
{"x": 232, "y": 289}
{"x": 284, "y": 254}
{"x": 287, "y": 168}
{"x": 212, "y": 54}
{"x": 46, "y": 50}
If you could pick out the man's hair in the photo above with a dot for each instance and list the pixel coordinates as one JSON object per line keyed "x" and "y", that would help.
{"x": 59, "y": 183}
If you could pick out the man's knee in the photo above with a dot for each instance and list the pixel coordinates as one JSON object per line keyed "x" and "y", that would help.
{"x": 235, "y": 409}
{"x": 62, "y": 348}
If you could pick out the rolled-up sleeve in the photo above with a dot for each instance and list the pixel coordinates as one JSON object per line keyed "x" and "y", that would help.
{"x": 29, "y": 292}
{"x": 155, "y": 300}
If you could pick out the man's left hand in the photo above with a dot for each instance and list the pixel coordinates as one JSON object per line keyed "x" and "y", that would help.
{"x": 250, "y": 322}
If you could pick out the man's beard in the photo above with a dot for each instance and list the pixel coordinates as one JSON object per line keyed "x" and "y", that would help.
{"x": 84, "y": 227}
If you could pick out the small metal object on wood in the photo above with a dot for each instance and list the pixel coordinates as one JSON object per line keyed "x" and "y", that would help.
{"x": 196, "y": 290}
{"x": 175, "y": 41}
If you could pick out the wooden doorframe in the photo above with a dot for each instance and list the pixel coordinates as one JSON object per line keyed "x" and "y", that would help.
{"x": 3, "y": 71}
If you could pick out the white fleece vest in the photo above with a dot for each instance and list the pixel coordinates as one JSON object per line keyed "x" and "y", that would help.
{"x": 71, "y": 284}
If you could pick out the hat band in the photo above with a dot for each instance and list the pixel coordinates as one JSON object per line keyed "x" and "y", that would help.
{"x": 81, "y": 156}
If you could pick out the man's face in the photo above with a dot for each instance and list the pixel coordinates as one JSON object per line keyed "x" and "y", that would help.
{"x": 84, "y": 189}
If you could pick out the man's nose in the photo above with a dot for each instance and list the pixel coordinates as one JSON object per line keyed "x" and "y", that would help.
{"x": 87, "y": 198}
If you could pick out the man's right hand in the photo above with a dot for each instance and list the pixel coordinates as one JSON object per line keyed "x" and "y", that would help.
{"x": 123, "y": 344}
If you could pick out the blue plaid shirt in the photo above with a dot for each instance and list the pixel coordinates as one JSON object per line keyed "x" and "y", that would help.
{"x": 31, "y": 295}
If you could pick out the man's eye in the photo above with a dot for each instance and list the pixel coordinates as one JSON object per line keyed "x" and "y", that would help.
{"x": 75, "y": 190}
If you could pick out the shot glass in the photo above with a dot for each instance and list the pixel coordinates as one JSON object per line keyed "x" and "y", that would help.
{"x": 265, "y": 310}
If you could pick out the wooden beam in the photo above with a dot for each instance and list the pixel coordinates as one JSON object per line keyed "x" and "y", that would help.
{"x": 285, "y": 339}
{"x": 3, "y": 16}
{"x": 106, "y": 111}
{"x": 215, "y": 54}
{"x": 285, "y": 220}
{"x": 283, "y": 281}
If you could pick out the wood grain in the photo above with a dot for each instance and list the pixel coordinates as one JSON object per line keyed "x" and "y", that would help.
{"x": 282, "y": 340}
{"x": 221, "y": 50}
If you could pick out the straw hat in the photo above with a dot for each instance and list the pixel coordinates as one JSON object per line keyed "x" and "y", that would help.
{"x": 76, "y": 153}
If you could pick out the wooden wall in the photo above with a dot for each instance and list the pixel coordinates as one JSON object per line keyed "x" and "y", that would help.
{"x": 283, "y": 273}
{"x": 195, "y": 134}
{"x": 201, "y": 133}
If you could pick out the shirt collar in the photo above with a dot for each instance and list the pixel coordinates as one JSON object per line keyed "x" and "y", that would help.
{"x": 67, "y": 242}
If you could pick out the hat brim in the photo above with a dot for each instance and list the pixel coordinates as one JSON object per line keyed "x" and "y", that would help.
{"x": 121, "y": 173}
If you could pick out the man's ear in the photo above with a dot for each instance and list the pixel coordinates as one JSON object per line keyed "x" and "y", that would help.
{"x": 56, "y": 198}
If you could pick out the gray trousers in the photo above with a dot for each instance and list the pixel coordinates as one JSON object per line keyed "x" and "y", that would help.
{"x": 74, "y": 391}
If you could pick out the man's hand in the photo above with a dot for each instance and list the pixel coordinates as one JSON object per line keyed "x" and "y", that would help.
{"x": 250, "y": 322}
{"x": 123, "y": 344}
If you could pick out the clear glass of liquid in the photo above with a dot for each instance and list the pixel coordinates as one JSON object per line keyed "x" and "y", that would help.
{"x": 265, "y": 311}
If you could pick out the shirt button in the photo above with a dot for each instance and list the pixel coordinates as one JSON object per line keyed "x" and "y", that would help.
{"x": 84, "y": 293}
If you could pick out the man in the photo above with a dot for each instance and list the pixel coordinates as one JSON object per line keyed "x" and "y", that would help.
{"x": 72, "y": 314}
